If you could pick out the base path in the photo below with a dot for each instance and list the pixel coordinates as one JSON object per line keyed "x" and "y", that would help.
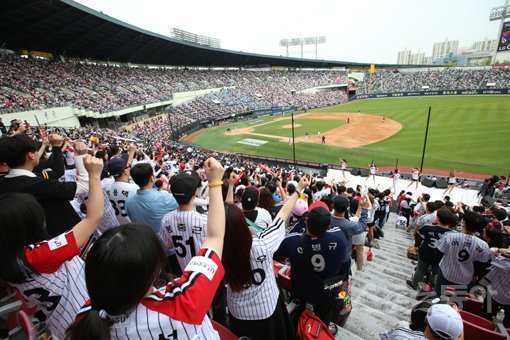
{"x": 361, "y": 130}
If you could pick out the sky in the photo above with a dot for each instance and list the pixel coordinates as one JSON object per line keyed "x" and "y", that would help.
{"x": 357, "y": 30}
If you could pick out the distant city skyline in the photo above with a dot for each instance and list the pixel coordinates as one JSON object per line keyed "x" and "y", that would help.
{"x": 362, "y": 31}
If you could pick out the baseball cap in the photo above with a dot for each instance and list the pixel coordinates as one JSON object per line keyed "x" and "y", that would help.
{"x": 300, "y": 208}
{"x": 250, "y": 198}
{"x": 445, "y": 321}
{"x": 184, "y": 186}
{"x": 116, "y": 166}
{"x": 318, "y": 217}
{"x": 341, "y": 203}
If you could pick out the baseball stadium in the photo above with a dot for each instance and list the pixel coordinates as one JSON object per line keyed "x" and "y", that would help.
{"x": 161, "y": 186}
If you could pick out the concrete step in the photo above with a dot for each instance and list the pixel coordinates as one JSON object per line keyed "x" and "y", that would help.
{"x": 380, "y": 297}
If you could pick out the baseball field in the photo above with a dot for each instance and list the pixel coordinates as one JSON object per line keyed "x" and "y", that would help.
{"x": 466, "y": 133}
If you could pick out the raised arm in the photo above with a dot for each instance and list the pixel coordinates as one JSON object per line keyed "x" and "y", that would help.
{"x": 231, "y": 182}
{"x": 95, "y": 203}
{"x": 216, "y": 216}
{"x": 287, "y": 207}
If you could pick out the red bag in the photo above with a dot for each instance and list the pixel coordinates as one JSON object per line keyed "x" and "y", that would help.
{"x": 369, "y": 255}
{"x": 310, "y": 327}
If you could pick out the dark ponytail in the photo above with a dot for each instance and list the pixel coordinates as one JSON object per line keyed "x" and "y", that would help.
{"x": 90, "y": 326}
{"x": 129, "y": 253}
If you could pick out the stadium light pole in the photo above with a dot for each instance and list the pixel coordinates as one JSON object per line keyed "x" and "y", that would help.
{"x": 425, "y": 141}
{"x": 293, "y": 141}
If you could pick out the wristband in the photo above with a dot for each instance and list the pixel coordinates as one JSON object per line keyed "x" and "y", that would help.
{"x": 215, "y": 184}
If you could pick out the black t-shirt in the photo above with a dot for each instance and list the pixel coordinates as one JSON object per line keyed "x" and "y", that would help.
{"x": 431, "y": 235}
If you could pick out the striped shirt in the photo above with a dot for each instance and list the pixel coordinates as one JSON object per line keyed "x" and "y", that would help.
{"x": 460, "y": 252}
{"x": 186, "y": 231}
{"x": 177, "y": 311}
{"x": 118, "y": 193}
{"x": 497, "y": 280}
{"x": 60, "y": 289}
{"x": 259, "y": 300}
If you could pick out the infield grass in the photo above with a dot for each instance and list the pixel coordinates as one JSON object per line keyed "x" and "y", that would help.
{"x": 466, "y": 133}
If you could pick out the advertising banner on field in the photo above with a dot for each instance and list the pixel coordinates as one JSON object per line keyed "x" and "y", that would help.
{"x": 504, "y": 39}
{"x": 431, "y": 93}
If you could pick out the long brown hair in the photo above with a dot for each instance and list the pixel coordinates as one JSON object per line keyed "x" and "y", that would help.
{"x": 236, "y": 249}
{"x": 266, "y": 199}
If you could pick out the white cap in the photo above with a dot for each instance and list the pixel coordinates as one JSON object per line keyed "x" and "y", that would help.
{"x": 445, "y": 321}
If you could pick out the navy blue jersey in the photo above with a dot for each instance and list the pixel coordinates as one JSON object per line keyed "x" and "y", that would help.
{"x": 298, "y": 228}
{"x": 431, "y": 235}
{"x": 327, "y": 257}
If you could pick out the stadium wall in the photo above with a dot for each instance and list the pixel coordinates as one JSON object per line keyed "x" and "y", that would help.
{"x": 431, "y": 93}
{"x": 56, "y": 116}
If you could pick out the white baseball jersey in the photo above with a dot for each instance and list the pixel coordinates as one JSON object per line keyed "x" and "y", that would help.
{"x": 60, "y": 289}
{"x": 372, "y": 170}
{"x": 259, "y": 300}
{"x": 497, "y": 280}
{"x": 401, "y": 222}
{"x": 344, "y": 166}
{"x": 117, "y": 193}
{"x": 460, "y": 251}
{"x": 109, "y": 219}
{"x": 186, "y": 230}
{"x": 177, "y": 311}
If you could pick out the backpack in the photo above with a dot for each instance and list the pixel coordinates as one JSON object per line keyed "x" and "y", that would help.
{"x": 311, "y": 327}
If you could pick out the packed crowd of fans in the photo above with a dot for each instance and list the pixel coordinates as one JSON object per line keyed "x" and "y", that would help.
{"x": 433, "y": 80}
{"x": 29, "y": 84}
{"x": 174, "y": 221}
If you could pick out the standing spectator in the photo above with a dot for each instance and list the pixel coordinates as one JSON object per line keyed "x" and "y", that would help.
{"x": 460, "y": 252}
{"x": 19, "y": 152}
{"x": 497, "y": 282}
{"x": 185, "y": 230}
{"x": 148, "y": 205}
{"x": 316, "y": 256}
{"x": 427, "y": 255}
{"x": 255, "y": 305}
{"x": 349, "y": 228}
{"x": 47, "y": 273}
{"x": 119, "y": 191}
{"x": 122, "y": 267}
{"x": 256, "y": 216}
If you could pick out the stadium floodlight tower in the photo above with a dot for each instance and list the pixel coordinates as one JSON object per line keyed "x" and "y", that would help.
{"x": 301, "y": 42}
{"x": 499, "y": 13}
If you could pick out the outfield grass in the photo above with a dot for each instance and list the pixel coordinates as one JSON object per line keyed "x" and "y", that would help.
{"x": 307, "y": 125}
{"x": 467, "y": 133}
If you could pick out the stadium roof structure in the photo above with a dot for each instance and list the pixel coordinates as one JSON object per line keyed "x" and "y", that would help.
{"x": 65, "y": 27}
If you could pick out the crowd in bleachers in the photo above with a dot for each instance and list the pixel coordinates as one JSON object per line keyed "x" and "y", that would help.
{"x": 384, "y": 81}
{"x": 202, "y": 216}
{"x": 29, "y": 84}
